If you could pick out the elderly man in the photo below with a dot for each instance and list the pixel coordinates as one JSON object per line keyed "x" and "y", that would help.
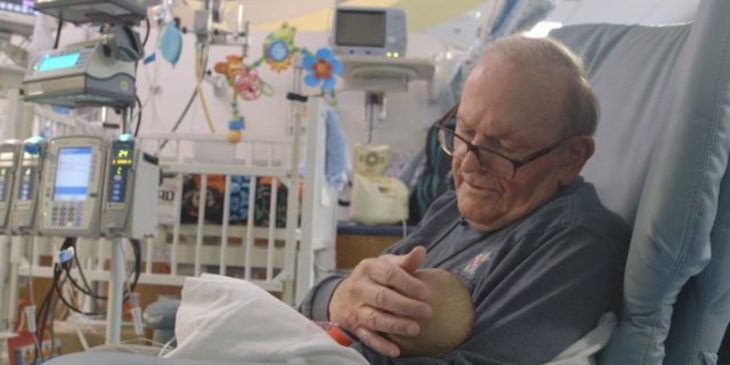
{"x": 542, "y": 257}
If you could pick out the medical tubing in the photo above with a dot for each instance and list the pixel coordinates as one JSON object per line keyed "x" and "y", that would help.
{"x": 200, "y": 56}
{"x": 180, "y": 119}
{"x": 68, "y": 304}
{"x": 136, "y": 247}
{"x": 147, "y": 34}
{"x": 208, "y": 119}
{"x": 185, "y": 111}
{"x": 83, "y": 279}
{"x": 58, "y": 33}
{"x": 52, "y": 330}
{"x": 139, "y": 116}
{"x": 46, "y": 306}
{"x": 41, "y": 319}
{"x": 164, "y": 348}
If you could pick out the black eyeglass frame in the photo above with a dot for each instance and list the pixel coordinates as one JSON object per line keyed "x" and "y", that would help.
{"x": 516, "y": 163}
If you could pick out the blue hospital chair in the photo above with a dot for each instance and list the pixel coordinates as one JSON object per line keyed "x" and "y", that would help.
{"x": 662, "y": 153}
{"x": 663, "y": 142}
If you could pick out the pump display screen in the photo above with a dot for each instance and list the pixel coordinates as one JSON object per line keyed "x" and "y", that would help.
{"x": 122, "y": 160}
{"x": 27, "y": 183}
{"x": 360, "y": 28}
{"x": 72, "y": 174}
{"x": 51, "y": 63}
{"x": 4, "y": 182}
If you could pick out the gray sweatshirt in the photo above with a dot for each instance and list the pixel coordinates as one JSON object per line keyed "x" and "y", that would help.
{"x": 538, "y": 285}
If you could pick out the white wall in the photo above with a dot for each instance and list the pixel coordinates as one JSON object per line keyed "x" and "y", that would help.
{"x": 408, "y": 113}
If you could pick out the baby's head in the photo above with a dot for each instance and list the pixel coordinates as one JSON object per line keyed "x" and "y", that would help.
{"x": 452, "y": 320}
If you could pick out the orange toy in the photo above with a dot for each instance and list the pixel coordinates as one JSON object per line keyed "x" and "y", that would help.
{"x": 230, "y": 68}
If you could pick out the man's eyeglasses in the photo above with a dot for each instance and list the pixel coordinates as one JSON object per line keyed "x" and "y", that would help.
{"x": 496, "y": 163}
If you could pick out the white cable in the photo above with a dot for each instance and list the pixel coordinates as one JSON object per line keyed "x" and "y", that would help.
{"x": 164, "y": 348}
{"x": 127, "y": 271}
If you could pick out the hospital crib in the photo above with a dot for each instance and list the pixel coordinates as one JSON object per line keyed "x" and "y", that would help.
{"x": 281, "y": 258}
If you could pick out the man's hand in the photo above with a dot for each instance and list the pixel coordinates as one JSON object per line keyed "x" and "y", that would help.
{"x": 381, "y": 295}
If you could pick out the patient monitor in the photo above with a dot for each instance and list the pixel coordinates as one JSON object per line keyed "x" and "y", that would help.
{"x": 370, "y": 32}
{"x": 72, "y": 186}
{"x": 9, "y": 152}
{"x": 23, "y": 221}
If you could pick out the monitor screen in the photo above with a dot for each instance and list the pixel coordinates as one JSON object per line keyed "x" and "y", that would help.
{"x": 360, "y": 28}
{"x": 51, "y": 63}
{"x": 18, "y": 6}
{"x": 72, "y": 174}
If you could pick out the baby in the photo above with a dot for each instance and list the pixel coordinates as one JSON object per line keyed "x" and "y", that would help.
{"x": 452, "y": 320}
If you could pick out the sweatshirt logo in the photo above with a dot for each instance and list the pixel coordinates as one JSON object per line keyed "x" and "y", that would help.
{"x": 476, "y": 262}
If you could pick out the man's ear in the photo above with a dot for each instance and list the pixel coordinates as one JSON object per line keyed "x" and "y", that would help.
{"x": 578, "y": 150}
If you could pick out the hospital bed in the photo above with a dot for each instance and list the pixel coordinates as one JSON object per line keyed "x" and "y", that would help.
{"x": 661, "y": 160}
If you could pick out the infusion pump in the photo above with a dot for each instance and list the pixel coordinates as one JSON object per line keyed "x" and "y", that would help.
{"x": 72, "y": 186}
{"x": 130, "y": 198}
{"x": 92, "y": 187}
{"x": 9, "y": 154}
{"x": 28, "y": 183}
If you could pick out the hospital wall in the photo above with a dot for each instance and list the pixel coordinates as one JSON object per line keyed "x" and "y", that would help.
{"x": 165, "y": 89}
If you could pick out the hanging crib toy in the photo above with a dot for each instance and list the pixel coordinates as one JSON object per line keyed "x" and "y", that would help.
{"x": 245, "y": 83}
{"x": 278, "y": 52}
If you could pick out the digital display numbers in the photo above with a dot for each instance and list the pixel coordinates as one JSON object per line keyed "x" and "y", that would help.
{"x": 122, "y": 158}
{"x": 122, "y": 161}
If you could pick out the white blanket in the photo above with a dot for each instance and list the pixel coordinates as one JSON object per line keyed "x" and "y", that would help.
{"x": 222, "y": 318}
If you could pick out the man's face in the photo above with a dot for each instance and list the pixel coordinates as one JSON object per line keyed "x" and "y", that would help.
{"x": 516, "y": 112}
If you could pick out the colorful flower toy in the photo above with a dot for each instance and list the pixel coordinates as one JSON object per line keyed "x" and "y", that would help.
{"x": 322, "y": 68}
{"x": 279, "y": 48}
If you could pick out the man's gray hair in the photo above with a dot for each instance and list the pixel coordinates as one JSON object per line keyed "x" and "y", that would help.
{"x": 530, "y": 52}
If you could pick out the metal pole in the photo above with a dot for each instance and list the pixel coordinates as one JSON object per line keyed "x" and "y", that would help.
{"x": 4, "y": 265}
{"x": 16, "y": 245}
{"x": 126, "y": 116}
{"x": 116, "y": 294}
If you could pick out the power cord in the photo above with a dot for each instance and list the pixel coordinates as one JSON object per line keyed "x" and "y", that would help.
{"x": 147, "y": 34}
{"x": 86, "y": 288}
{"x": 139, "y": 116}
{"x": 45, "y": 316}
{"x": 58, "y": 33}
